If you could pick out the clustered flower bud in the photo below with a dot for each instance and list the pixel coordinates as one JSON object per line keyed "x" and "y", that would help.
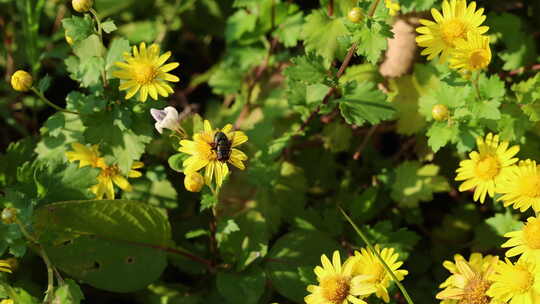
{"x": 21, "y": 81}
{"x": 82, "y": 6}
{"x": 440, "y": 112}
{"x": 193, "y": 181}
{"x": 356, "y": 15}
{"x": 9, "y": 215}
{"x": 69, "y": 40}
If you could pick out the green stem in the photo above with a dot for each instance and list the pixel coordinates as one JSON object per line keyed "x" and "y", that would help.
{"x": 370, "y": 246}
{"x": 48, "y": 102}
{"x": 100, "y": 34}
{"x": 373, "y": 8}
{"x": 45, "y": 257}
{"x": 474, "y": 80}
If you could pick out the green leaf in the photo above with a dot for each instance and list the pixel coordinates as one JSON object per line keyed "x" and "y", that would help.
{"x": 321, "y": 35}
{"x": 402, "y": 240}
{"x": 155, "y": 189}
{"x": 85, "y": 104}
{"x": 64, "y": 181}
{"x": 451, "y": 96}
{"x": 491, "y": 88}
{"x": 120, "y": 133}
{"x": 290, "y": 30}
{"x": 490, "y": 234}
{"x": 363, "y": 103}
{"x": 337, "y": 137}
{"x": 440, "y": 134}
{"x": 109, "y": 244}
{"x": 176, "y": 161}
{"x": 108, "y": 26}
{"x": 372, "y": 39}
{"x": 68, "y": 293}
{"x": 289, "y": 257}
{"x": 415, "y": 183}
{"x": 238, "y": 24}
{"x": 243, "y": 287}
{"x": 244, "y": 239}
{"x": 520, "y": 47}
{"x": 16, "y": 154}
{"x": 208, "y": 201}
{"x": 78, "y": 28}
{"x": 60, "y": 128}
{"x": 405, "y": 101}
{"x": 316, "y": 92}
{"x": 115, "y": 53}
{"x": 89, "y": 47}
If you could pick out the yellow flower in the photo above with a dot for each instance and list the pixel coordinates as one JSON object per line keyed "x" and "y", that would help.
{"x": 469, "y": 280}
{"x": 472, "y": 54}
{"x": 525, "y": 241}
{"x": 521, "y": 186}
{"x": 366, "y": 264}
{"x": 455, "y": 22}
{"x": 21, "y": 81}
{"x": 7, "y": 301}
{"x": 203, "y": 152}
{"x": 515, "y": 283}
{"x": 86, "y": 156}
{"x": 109, "y": 176}
{"x": 5, "y": 266}
{"x": 193, "y": 182}
{"x": 336, "y": 284}
{"x": 145, "y": 73}
{"x": 487, "y": 167}
{"x": 392, "y": 6}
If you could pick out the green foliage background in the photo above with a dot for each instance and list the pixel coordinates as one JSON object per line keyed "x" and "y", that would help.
{"x": 319, "y": 137}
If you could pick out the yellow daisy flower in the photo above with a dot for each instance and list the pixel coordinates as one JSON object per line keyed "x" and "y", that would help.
{"x": 110, "y": 175}
{"x": 469, "y": 280}
{"x": 455, "y": 22}
{"x": 5, "y": 266}
{"x": 392, "y": 6}
{"x": 520, "y": 186}
{"x": 145, "y": 73}
{"x": 515, "y": 283}
{"x": 336, "y": 284}
{"x": 365, "y": 263}
{"x": 472, "y": 54}
{"x": 204, "y": 152}
{"x": 86, "y": 156}
{"x": 525, "y": 241}
{"x": 487, "y": 167}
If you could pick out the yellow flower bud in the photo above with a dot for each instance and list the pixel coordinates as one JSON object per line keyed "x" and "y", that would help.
{"x": 7, "y": 301}
{"x": 439, "y": 112}
{"x": 193, "y": 181}
{"x": 21, "y": 81}
{"x": 82, "y": 6}
{"x": 356, "y": 15}
{"x": 9, "y": 215}
{"x": 69, "y": 40}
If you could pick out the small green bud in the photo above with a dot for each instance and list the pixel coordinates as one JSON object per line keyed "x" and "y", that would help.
{"x": 440, "y": 112}
{"x": 356, "y": 15}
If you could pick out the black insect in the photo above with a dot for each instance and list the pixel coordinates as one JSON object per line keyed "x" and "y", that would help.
{"x": 222, "y": 146}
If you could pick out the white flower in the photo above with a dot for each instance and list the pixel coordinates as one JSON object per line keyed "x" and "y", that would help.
{"x": 165, "y": 119}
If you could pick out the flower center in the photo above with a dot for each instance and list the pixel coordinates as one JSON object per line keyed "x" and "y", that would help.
{"x": 531, "y": 233}
{"x": 479, "y": 59}
{"x": 475, "y": 292}
{"x": 452, "y": 30}
{"x": 530, "y": 186}
{"x": 335, "y": 288}
{"x": 487, "y": 168}
{"x": 144, "y": 73}
{"x": 109, "y": 171}
{"x": 522, "y": 280}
